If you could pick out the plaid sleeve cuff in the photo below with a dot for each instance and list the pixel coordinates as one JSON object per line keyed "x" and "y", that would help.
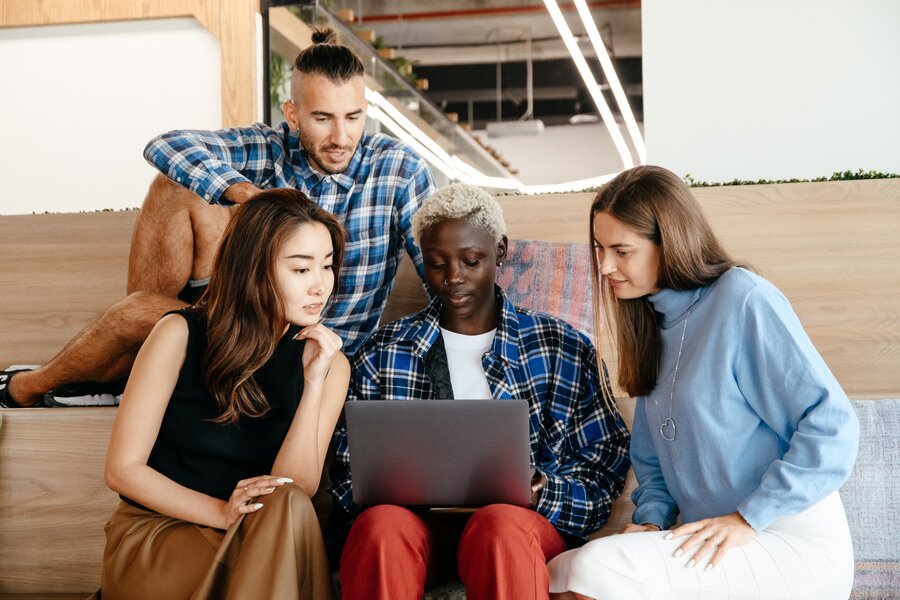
{"x": 210, "y": 184}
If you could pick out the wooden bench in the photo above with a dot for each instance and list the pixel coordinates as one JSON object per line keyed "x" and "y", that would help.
{"x": 832, "y": 248}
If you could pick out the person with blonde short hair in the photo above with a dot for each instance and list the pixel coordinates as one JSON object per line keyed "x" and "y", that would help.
{"x": 471, "y": 342}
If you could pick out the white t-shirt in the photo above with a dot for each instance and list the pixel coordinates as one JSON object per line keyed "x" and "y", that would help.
{"x": 464, "y": 354}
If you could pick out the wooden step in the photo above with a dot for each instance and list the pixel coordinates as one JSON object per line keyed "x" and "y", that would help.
{"x": 387, "y": 53}
{"x": 345, "y": 15}
{"x": 367, "y": 35}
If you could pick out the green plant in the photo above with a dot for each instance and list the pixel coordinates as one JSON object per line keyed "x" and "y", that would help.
{"x": 279, "y": 77}
{"x": 836, "y": 176}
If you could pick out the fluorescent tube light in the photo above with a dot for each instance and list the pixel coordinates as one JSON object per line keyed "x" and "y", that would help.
{"x": 590, "y": 82}
{"x": 615, "y": 85}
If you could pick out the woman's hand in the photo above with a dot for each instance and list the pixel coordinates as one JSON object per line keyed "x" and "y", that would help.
{"x": 246, "y": 492}
{"x": 322, "y": 345}
{"x": 717, "y": 535}
{"x": 538, "y": 483}
{"x": 633, "y": 528}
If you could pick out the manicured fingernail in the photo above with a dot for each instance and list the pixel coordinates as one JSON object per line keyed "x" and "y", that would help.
{"x": 257, "y": 506}
{"x": 708, "y": 567}
{"x": 678, "y": 553}
{"x": 669, "y": 536}
{"x": 284, "y": 480}
{"x": 270, "y": 490}
{"x": 691, "y": 563}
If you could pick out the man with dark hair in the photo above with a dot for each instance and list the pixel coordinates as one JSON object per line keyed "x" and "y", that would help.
{"x": 371, "y": 182}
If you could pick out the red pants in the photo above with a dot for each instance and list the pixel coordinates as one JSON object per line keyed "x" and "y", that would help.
{"x": 502, "y": 551}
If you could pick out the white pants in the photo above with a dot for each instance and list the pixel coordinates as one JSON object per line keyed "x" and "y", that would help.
{"x": 808, "y": 556}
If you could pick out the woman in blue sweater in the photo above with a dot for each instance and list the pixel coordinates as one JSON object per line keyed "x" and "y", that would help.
{"x": 739, "y": 426}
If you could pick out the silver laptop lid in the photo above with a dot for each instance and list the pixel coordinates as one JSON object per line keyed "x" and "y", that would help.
{"x": 439, "y": 452}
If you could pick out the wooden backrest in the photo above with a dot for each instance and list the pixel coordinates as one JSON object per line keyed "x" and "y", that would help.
{"x": 832, "y": 248}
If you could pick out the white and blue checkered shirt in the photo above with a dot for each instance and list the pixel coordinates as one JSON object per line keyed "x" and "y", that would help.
{"x": 374, "y": 198}
{"x": 577, "y": 441}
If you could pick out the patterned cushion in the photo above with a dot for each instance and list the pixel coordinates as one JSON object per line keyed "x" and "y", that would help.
{"x": 872, "y": 500}
{"x": 552, "y": 277}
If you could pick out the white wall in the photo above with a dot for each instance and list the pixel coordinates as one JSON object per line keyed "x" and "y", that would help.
{"x": 79, "y": 102}
{"x": 771, "y": 89}
{"x": 561, "y": 153}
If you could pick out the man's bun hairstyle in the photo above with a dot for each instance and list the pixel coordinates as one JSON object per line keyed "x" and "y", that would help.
{"x": 324, "y": 36}
{"x": 328, "y": 58}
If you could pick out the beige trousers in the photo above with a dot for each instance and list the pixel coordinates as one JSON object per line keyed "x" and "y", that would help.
{"x": 274, "y": 553}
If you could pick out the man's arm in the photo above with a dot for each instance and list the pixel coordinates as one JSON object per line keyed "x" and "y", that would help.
{"x": 419, "y": 187}
{"x": 222, "y": 167}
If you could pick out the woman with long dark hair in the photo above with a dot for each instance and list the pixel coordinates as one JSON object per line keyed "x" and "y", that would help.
{"x": 739, "y": 427}
{"x": 221, "y": 435}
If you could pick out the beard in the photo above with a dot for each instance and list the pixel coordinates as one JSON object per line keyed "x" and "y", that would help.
{"x": 319, "y": 156}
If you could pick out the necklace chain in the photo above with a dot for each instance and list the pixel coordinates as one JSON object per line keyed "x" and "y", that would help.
{"x": 667, "y": 425}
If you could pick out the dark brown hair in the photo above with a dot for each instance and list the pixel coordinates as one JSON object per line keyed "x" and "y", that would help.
{"x": 243, "y": 305}
{"x": 328, "y": 58}
{"x": 656, "y": 204}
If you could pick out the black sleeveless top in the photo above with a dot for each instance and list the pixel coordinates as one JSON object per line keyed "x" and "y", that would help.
{"x": 210, "y": 458}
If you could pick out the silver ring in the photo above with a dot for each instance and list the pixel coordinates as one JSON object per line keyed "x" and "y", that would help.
{"x": 246, "y": 489}
{"x": 716, "y": 542}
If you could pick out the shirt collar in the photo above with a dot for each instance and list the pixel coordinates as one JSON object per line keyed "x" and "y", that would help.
{"x": 304, "y": 170}
{"x": 423, "y": 331}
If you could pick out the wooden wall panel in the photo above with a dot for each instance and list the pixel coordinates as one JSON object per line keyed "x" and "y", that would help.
{"x": 830, "y": 247}
{"x": 61, "y": 272}
{"x": 53, "y": 500}
{"x": 833, "y": 249}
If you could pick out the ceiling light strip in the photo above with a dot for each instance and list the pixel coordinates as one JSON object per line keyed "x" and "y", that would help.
{"x": 590, "y": 82}
{"x": 446, "y": 164}
{"x": 615, "y": 85}
{"x": 452, "y": 166}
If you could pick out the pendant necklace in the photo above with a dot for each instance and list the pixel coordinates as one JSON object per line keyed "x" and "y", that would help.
{"x": 667, "y": 425}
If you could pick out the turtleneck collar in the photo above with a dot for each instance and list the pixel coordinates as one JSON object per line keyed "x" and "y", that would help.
{"x": 673, "y": 305}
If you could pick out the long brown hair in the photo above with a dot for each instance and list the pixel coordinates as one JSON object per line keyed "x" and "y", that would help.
{"x": 656, "y": 204}
{"x": 243, "y": 305}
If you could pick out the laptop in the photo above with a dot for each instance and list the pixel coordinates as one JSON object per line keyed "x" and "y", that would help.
{"x": 439, "y": 453}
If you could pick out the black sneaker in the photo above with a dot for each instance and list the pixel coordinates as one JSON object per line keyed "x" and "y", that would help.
{"x": 6, "y": 400}
{"x": 88, "y": 393}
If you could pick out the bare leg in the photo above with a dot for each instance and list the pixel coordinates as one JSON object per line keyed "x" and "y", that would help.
{"x": 103, "y": 351}
{"x": 175, "y": 238}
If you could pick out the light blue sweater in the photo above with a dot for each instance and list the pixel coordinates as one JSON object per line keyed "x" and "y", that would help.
{"x": 762, "y": 426}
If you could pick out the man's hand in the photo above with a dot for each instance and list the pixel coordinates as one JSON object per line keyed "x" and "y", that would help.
{"x": 241, "y": 192}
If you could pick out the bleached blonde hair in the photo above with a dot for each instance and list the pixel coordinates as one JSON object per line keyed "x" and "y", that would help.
{"x": 460, "y": 201}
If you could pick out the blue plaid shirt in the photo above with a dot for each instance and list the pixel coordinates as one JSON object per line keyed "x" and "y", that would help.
{"x": 374, "y": 198}
{"x": 576, "y": 441}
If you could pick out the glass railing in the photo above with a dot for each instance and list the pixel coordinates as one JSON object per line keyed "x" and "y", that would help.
{"x": 396, "y": 107}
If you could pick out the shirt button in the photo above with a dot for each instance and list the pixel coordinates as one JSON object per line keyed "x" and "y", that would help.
{"x": 206, "y": 196}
